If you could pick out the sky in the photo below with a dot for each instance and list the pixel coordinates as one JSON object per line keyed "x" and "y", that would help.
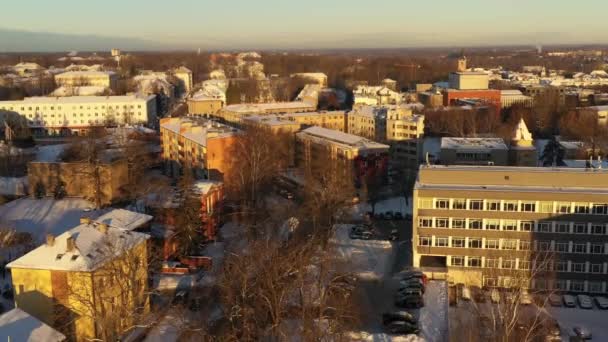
{"x": 239, "y": 24}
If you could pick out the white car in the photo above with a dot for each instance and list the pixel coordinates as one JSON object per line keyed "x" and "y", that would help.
{"x": 601, "y": 302}
{"x": 584, "y": 301}
{"x": 569, "y": 301}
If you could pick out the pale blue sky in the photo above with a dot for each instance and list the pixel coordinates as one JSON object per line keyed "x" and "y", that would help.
{"x": 316, "y": 23}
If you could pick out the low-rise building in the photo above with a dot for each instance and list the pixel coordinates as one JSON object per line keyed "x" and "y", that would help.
{"x": 474, "y": 151}
{"x": 205, "y": 102}
{"x": 89, "y": 283}
{"x": 77, "y": 114}
{"x": 185, "y": 76}
{"x": 235, "y": 113}
{"x": 512, "y": 97}
{"x": 489, "y": 225}
{"x": 469, "y": 80}
{"x": 199, "y": 144}
{"x": 376, "y": 95}
{"x": 106, "y": 79}
{"x": 364, "y": 157}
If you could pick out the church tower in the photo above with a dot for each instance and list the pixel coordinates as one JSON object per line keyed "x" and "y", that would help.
{"x": 522, "y": 151}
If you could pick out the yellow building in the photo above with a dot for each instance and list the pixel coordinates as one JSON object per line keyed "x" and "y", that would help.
{"x": 105, "y": 79}
{"x": 89, "y": 282}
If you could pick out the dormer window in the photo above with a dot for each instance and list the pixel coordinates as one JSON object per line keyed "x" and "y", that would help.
{"x": 74, "y": 257}
{"x": 59, "y": 256}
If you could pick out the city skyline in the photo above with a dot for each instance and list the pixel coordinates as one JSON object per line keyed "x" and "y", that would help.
{"x": 285, "y": 25}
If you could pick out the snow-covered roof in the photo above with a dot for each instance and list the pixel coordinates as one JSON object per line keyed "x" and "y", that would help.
{"x": 521, "y": 132}
{"x": 262, "y": 107}
{"x": 511, "y": 92}
{"x": 197, "y": 130}
{"x": 81, "y": 99}
{"x": 203, "y": 186}
{"x": 342, "y": 138}
{"x": 474, "y": 143}
{"x": 125, "y": 219}
{"x": 94, "y": 244}
{"x": 87, "y": 73}
{"x": 19, "y": 326}
{"x": 79, "y": 91}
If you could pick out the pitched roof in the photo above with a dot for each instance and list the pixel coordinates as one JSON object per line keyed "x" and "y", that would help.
{"x": 521, "y": 132}
{"x": 124, "y": 219}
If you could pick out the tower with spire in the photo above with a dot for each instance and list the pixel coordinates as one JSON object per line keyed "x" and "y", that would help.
{"x": 522, "y": 151}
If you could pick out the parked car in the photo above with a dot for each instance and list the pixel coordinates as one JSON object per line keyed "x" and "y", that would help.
{"x": 409, "y": 291}
{"x": 582, "y": 332}
{"x": 466, "y": 294}
{"x": 584, "y": 302}
{"x": 181, "y": 297}
{"x": 408, "y": 274}
{"x": 361, "y": 235}
{"x": 525, "y": 298}
{"x": 394, "y": 236}
{"x": 415, "y": 281}
{"x": 555, "y": 299}
{"x": 359, "y": 229}
{"x": 402, "y": 327}
{"x": 389, "y": 317}
{"x": 195, "y": 304}
{"x": 601, "y": 302}
{"x": 398, "y": 216}
{"x": 388, "y": 215}
{"x": 495, "y": 296}
{"x": 409, "y": 301}
{"x": 569, "y": 301}
{"x": 411, "y": 287}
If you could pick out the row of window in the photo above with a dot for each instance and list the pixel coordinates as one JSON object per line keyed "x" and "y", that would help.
{"x": 545, "y": 284}
{"x": 525, "y": 265}
{"x": 513, "y": 225}
{"x": 513, "y": 244}
{"x": 73, "y": 107}
{"x": 514, "y": 206}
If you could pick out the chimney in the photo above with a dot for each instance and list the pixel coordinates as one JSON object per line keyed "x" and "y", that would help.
{"x": 103, "y": 228}
{"x": 70, "y": 244}
{"x": 85, "y": 220}
{"x": 50, "y": 240}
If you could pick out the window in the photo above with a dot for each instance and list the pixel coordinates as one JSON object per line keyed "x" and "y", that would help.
{"x": 561, "y": 247}
{"x": 595, "y": 286}
{"x": 493, "y": 205}
{"x": 458, "y": 242}
{"x": 596, "y": 268}
{"x": 524, "y": 264}
{"x": 457, "y": 261}
{"x": 581, "y": 208}
{"x": 577, "y": 285}
{"x": 492, "y": 244}
{"x": 492, "y": 263}
{"x": 526, "y": 226}
{"x": 442, "y": 204}
{"x": 546, "y": 207}
{"x": 579, "y": 248}
{"x": 509, "y": 244}
{"x": 598, "y": 229}
{"x": 493, "y": 224}
{"x": 490, "y": 282}
{"x": 544, "y": 246}
{"x": 563, "y": 207}
{"x": 441, "y": 242}
{"x": 561, "y": 266}
{"x": 460, "y": 204}
{"x": 475, "y": 224}
{"x": 600, "y": 209}
{"x": 458, "y": 223}
{"x": 525, "y": 245}
{"x": 425, "y": 222}
{"x": 442, "y": 222}
{"x": 474, "y": 262}
{"x": 475, "y": 243}
{"x": 508, "y": 264}
{"x": 425, "y": 203}
{"x": 476, "y": 205}
{"x": 561, "y": 284}
{"x": 578, "y": 267}
{"x": 580, "y": 228}
{"x": 509, "y": 225}
{"x": 544, "y": 227}
{"x": 510, "y": 206}
{"x": 562, "y": 227}
{"x": 528, "y": 207}
{"x": 597, "y": 248}
{"x": 424, "y": 241}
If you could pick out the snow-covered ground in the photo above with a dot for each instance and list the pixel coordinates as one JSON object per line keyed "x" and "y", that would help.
{"x": 433, "y": 319}
{"x": 13, "y": 186}
{"x": 394, "y": 204}
{"x": 595, "y": 320}
{"x": 369, "y": 259}
{"x": 44, "y": 216}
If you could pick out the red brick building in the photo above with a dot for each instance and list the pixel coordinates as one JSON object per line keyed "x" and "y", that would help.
{"x": 489, "y": 96}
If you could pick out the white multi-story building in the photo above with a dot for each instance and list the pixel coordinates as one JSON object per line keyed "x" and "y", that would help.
{"x": 87, "y": 78}
{"x": 76, "y": 114}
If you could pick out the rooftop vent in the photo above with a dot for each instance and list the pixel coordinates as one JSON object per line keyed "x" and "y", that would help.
{"x": 70, "y": 244}
{"x": 50, "y": 240}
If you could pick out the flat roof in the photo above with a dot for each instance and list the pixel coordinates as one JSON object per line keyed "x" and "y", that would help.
{"x": 474, "y": 143}
{"x": 19, "y": 326}
{"x": 125, "y": 219}
{"x": 342, "y": 138}
{"x": 261, "y": 107}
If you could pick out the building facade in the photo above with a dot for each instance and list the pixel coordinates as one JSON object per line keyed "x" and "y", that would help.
{"x": 202, "y": 145}
{"x": 77, "y": 114}
{"x": 484, "y": 225}
{"x": 89, "y": 282}
{"x": 106, "y": 79}
{"x": 235, "y": 113}
{"x": 474, "y": 151}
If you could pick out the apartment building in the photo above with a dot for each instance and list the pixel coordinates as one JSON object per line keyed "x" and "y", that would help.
{"x": 365, "y": 157}
{"x": 376, "y": 95}
{"x": 335, "y": 120}
{"x": 77, "y": 114}
{"x": 511, "y": 97}
{"x": 197, "y": 143}
{"x": 106, "y": 79}
{"x": 483, "y": 225}
{"x": 235, "y": 113}
{"x": 84, "y": 278}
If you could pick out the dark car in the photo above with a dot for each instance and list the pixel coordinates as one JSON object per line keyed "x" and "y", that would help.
{"x": 409, "y": 301}
{"x": 388, "y": 215}
{"x": 402, "y": 327}
{"x": 181, "y": 298}
{"x": 582, "y": 332}
{"x": 195, "y": 304}
{"x": 398, "y": 216}
{"x": 390, "y": 317}
{"x": 361, "y": 235}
